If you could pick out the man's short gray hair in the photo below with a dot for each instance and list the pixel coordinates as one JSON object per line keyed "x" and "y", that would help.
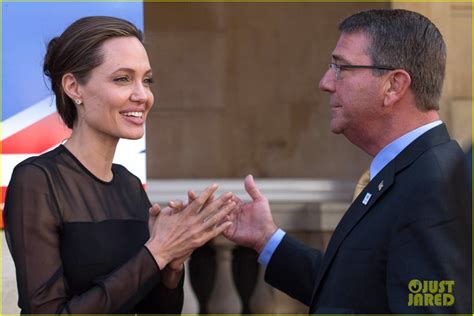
{"x": 407, "y": 40}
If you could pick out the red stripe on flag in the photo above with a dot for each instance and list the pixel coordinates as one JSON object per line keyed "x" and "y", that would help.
{"x": 38, "y": 137}
{"x": 4, "y": 189}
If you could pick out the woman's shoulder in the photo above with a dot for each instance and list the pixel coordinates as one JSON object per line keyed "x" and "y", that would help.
{"x": 37, "y": 166}
{"x": 124, "y": 173}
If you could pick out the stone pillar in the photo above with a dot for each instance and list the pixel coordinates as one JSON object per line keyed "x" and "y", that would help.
{"x": 263, "y": 297}
{"x": 224, "y": 297}
{"x": 245, "y": 270}
{"x": 191, "y": 304}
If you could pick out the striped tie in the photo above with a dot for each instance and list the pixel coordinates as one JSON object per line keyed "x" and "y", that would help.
{"x": 361, "y": 184}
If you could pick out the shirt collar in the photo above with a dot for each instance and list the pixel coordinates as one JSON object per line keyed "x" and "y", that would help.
{"x": 389, "y": 152}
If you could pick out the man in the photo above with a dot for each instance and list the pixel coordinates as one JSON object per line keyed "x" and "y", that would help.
{"x": 404, "y": 245}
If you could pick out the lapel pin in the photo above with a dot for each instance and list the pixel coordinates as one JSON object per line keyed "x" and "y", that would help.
{"x": 380, "y": 185}
{"x": 366, "y": 198}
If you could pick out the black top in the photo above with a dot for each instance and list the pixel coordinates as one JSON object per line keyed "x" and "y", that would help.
{"x": 78, "y": 242}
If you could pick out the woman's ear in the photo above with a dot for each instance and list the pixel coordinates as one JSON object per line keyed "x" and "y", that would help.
{"x": 396, "y": 86}
{"x": 71, "y": 88}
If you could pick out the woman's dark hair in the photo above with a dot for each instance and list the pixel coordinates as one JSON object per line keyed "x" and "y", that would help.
{"x": 77, "y": 51}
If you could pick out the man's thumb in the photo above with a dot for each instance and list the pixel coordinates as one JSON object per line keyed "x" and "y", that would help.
{"x": 252, "y": 189}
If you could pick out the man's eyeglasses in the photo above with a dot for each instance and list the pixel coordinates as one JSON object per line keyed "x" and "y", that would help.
{"x": 337, "y": 68}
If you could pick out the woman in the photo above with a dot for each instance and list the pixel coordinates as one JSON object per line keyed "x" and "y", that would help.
{"x": 78, "y": 226}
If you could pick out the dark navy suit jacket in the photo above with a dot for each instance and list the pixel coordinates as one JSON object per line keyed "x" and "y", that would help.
{"x": 415, "y": 226}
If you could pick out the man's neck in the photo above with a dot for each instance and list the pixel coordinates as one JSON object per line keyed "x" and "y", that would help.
{"x": 396, "y": 128}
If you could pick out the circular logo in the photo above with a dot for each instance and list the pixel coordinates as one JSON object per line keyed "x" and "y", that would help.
{"x": 414, "y": 286}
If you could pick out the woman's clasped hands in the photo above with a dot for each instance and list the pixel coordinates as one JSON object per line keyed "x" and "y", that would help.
{"x": 177, "y": 230}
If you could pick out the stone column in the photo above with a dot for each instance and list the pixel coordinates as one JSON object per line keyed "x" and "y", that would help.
{"x": 224, "y": 297}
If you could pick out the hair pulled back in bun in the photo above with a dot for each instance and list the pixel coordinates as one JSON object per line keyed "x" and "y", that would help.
{"x": 77, "y": 51}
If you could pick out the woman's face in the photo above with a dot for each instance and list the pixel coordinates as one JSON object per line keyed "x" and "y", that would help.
{"x": 117, "y": 97}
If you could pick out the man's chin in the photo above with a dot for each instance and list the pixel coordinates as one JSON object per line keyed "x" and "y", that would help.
{"x": 335, "y": 129}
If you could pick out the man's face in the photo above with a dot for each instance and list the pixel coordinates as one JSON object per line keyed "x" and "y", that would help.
{"x": 356, "y": 96}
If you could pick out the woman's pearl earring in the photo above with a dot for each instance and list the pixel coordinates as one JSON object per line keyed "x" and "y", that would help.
{"x": 78, "y": 102}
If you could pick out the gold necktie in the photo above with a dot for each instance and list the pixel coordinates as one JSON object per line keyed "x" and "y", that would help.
{"x": 361, "y": 184}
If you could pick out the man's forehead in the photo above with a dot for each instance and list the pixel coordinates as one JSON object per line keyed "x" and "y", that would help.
{"x": 351, "y": 46}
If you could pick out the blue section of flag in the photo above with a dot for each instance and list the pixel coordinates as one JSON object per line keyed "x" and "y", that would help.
{"x": 26, "y": 30}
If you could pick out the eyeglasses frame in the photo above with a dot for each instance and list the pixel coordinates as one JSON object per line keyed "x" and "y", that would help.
{"x": 337, "y": 68}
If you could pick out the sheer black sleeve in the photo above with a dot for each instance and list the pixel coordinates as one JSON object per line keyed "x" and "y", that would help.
{"x": 33, "y": 229}
{"x": 162, "y": 300}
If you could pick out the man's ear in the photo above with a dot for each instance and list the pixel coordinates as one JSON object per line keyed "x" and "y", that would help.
{"x": 71, "y": 87}
{"x": 396, "y": 86}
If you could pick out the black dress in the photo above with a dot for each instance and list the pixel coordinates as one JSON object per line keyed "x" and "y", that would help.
{"x": 78, "y": 242}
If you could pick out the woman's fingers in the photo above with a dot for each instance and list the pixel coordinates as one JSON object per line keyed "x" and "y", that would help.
{"x": 196, "y": 205}
{"x": 192, "y": 196}
{"x": 216, "y": 218}
{"x": 178, "y": 233}
{"x": 168, "y": 211}
{"x": 154, "y": 210}
{"x": 176, "y": 204}
{"x": 214, "y": 206}
{"x": 216, "y": 231}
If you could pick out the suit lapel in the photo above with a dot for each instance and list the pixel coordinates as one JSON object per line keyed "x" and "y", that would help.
{"x": 375, "y": 190}
{"x": 361, "y": 205}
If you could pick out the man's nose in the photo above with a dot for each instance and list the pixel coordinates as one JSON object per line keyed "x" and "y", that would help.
{"x": 327, "y": 81}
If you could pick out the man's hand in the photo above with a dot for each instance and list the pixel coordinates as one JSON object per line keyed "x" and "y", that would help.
{"x": 252, "y": 222}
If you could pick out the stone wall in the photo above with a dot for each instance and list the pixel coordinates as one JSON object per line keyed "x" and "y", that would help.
{"x": 237, "y": 87}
